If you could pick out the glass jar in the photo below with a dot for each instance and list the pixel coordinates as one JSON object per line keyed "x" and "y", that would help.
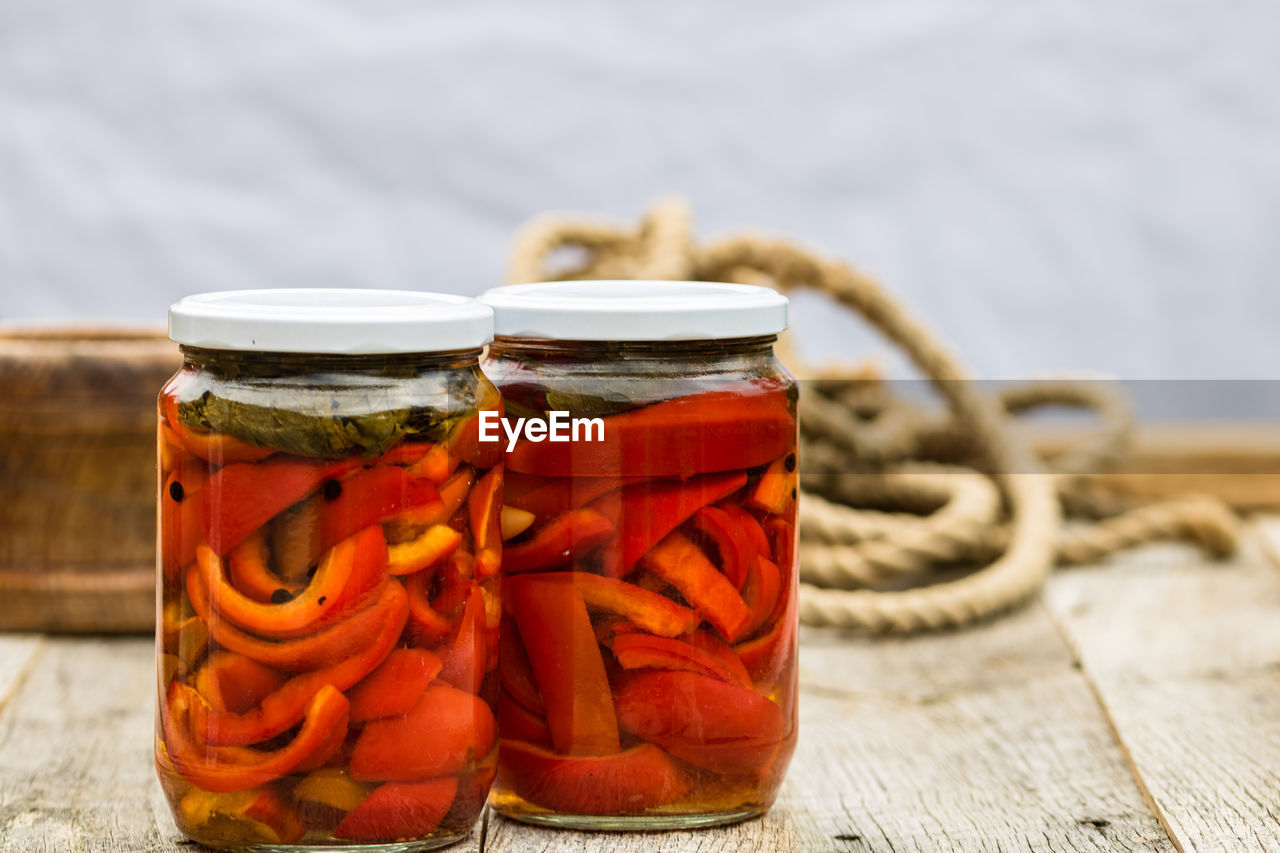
{"x": 648, "y": 665}
{"x": 329, "y": 549}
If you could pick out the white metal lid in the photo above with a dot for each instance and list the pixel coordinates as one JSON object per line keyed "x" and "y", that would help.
{"x": 324, "y": 320}
{"x": 635, "y": 310}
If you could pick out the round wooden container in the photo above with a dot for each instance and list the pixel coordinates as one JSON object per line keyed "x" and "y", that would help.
{"x": 77, "y": 466}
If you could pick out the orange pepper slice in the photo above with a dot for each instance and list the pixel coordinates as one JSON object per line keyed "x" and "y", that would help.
{"x": 400, "y": 810}
{"x": 224, "y": 769}
{"x": 681, "y": 563}
{"x": 395, "y": 686}
{"x": 444, "y": 732}
{"x": 559, "y": 542}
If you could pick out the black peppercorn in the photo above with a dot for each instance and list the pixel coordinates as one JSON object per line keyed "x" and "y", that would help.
{"x": 176, "y": 492}
{"x": 280, "y": 596}
{"x": 332, "y": 489}
{"x": 790, "y": 462}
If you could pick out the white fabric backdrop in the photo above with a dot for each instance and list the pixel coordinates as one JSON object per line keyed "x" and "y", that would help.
{"x": 1090, "y": 185}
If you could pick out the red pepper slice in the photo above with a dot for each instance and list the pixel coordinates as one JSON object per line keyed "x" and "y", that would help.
{"x": 308, "y": 652}
{"x": 730, "y": 540}
{"x": 350, "y": 570}
{"x": 399, "y": 810}
{"x": 647, "y": 610}
{"x": 395, "y": 686}
{"x": 782, "y": 540}
{"x": 560, "y": 541}
{"x": 242, "y": 497}
{"x": 464, "y": 443}
{"x": 249, "y": 574}
{"x": 777, "y": 486}
{"x": 712, "y": 724}
{"x": 447, "y": 730}
{"x": 761, "y": 593}
{"x": 281, "y": 710}
{"x": 548, "y": 498}
{"x": 557, "y": 635}
{"x": 629, "y": 782}
{"x": 407, "y": 453}
{"x": 681, "y": 563}
{"x": 766, "y": 656}
{"x": 223, "y": 769}
{"x": 515, "y": 673}
{"x": 751, "y": 528}
{"x": 635, "y": 650}
{"x": 427, "y": 626}
{"x": 517, "y": 722}
{"x": 181, "y": 530}
{"x": 235, "y": 683}
{"x": 721, "y": 651}
{"x": 465, "y": 657}
{"x": 697, "y": 434}
{"x": 436, "y": 465}
{"x": 484, "y": 506}
{"x": 644, "y": 513}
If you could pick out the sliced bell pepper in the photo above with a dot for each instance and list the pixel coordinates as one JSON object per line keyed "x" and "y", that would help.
{"x": 426, "y": 550}
{"x": 730, "y": 541}
{"x": 761, "y": 593}
{"x": 235, "y": 683}
{"x": 255, "y": 816}
{"x": 515, "y": 673}
{"x": 322, "y": 648}
{"x": 332, "y": 787}
{"x": 427, "y": 626}
{"x": 282, "y": 709}
{"x": 681, "y": 563}
{"x": 183, "y": 632}
{"x": 464, "y": 443}
{"x": 241, "y": 497}
{"x": 558, "y": 638}
{"x": 484, "y": 508}
{"x": 624, "y": 783}
{"x": 637, "y": 650}
{"x": 515, "y": 521}
{"x": 547, "y": 498}
{"x": 397, "y": 811}
{"x": 454, "y": 585}
{"x": 436, "y": 465}
{"x": 465, "y": 657}
{"x": 721, "y": 651}
{"x": 249, "y": 573}
{"x": 363, "y": 499}
{"x": 709, "y": 723}
{"x": 395, "y": 686}
{"x": 181, "y": 528}
{"x": 453, "y": 493}
{"x": 349, "y": 571}
{"x": 766, "y": 656}
{"x": 224, "y": 769}
{"x": 782, "y": 541}
{"x": 696, "y": 434}
{"x": 644, "y": 513}
{"x": 750, "y": 527}
{"x": 560, "y": 541}
{"x": 648, "y": 610}
{"x": 219, "y": 448}
{"x": 295, "y": 538}
{"x": 776, "y": 487}
{"x": 447, "y": 730}
{"x": 517, "y": 722}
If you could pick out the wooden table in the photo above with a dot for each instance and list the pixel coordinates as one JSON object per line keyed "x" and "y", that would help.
{"x": 1135, "y": 707}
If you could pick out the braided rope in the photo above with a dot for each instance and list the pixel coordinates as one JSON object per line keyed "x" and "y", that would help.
{"x": 850, "y": 425}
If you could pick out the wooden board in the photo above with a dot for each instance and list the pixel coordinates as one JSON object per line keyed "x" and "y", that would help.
{"x": 1185, "y": 658}
{"x": 980, "y": 740}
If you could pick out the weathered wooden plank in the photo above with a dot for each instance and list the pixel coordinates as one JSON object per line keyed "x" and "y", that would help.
{"x": 17, "y": 653}
{"x": 1185, "y": 657}
{"x": 986, "y": 739}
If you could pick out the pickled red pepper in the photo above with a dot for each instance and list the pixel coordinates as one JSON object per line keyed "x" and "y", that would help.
{"x": 302, "y": 698}
{"x": 648, "y": 645}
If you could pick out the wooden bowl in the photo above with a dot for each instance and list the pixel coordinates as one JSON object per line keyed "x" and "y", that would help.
{"x": 77, "y": 470}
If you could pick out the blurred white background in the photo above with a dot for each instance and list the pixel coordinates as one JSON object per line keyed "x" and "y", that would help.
{"x": 1090, "y": 185}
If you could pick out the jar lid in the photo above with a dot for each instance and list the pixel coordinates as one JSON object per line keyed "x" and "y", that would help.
{"x": 636, "y": 310}
{"x": 327, "y": 320}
